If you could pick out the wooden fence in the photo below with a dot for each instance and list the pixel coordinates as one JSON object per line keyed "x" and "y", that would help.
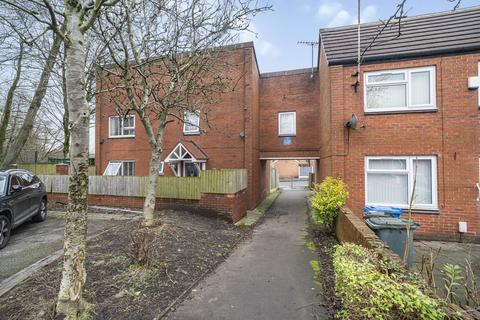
{"x": 210, "y": 181}
{"x": 47, "y": 168}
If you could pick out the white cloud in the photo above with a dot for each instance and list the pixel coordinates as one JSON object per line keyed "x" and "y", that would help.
{"x": 328, "y": 9}
{"x": 369, "y": 14}
{"x": 267, "y": 48}
{"x": 342, "y": 18}
{"x": 264, "y": 47}
{"x": 334, "y": 14}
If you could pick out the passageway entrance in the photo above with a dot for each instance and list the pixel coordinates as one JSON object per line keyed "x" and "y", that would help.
{"x": 293, "y": 173}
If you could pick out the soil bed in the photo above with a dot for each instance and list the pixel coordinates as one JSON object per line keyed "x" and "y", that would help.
{"x": 325, "y": 243}
{"x": 184, "y": 248}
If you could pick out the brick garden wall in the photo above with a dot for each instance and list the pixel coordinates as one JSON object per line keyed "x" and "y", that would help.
{"x": 452, "y": 133}
{"x": 231, "y": 206}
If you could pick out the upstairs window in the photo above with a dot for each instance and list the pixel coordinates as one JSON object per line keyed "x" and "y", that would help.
{"x": 287, "y": 124}
{"x": 120, "y": 168}
{"x": 191, "y": 124}
{"x": 122, "y": 127}
{"x": 400, "y": 90}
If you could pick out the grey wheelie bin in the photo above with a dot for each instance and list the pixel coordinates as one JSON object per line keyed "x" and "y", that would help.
{"x": 393, "y": 231}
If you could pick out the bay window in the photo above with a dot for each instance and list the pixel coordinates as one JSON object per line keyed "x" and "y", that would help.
{"x": 400, "y": 90}
{"x": 390, "y": 181}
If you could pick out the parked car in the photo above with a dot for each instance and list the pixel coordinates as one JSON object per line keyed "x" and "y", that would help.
{"x": 22, "y": 197}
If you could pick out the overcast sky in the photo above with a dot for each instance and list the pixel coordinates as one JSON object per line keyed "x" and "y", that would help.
{"x": 299, "y": 20}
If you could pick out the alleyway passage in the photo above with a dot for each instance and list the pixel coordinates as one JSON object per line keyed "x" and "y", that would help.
{"x": 268, "y": 277}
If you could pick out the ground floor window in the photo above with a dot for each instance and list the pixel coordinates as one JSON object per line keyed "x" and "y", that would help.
{"x": 390, "y": 181}
{"x": 187, "y": 169}
{"x": 120, "y": 168}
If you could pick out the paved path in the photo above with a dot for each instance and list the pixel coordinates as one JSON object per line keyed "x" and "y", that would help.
{"x": 267, "y": 277}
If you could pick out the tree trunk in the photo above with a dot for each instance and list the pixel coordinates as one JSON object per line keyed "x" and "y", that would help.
{"x": 70, "y": 300}
{"x": 9, "y": 102}
{"x": 65, "y": 120}
{"x": 27, "y": 126}
{"x": 150, "y": 198}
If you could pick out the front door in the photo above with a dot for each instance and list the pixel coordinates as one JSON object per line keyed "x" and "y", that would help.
{"x": 191, "y": 169}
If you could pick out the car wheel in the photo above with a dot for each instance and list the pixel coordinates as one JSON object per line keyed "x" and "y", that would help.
{"x": 5, "y": 228}
{"x": 42, "y": 212}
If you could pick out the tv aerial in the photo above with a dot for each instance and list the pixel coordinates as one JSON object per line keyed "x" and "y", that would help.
{"x": 311, "y": 44}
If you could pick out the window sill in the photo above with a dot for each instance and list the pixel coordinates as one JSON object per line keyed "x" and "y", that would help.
{"x": 368, "y": 113}
{"x": 121, "y": 137}
{"x": 191, "y": 133}
{"x": 287, "y": 135}
{"x": 424, "y": 211}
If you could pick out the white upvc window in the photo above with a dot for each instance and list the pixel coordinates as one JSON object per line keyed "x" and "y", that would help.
{"x": 287, "y": 123}
{"x": 191, "y": 122}
{"x": 121, "y": 127}
{"x": 120, "y": 168}
{"x": 389, "y": 181}
{"x": 400, "y": 90}
{"x": 162, "y": 166}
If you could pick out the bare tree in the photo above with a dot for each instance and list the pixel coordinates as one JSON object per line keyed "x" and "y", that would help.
{"x": 165, "y": 61}
{"x": 21, "y": 21}
{"x": 70, "y": 25}
{"x": 9, "y": 99}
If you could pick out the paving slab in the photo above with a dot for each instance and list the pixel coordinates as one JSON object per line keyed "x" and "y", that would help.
{"x": 267, "y": 277}
{"x": 454, "y": 253}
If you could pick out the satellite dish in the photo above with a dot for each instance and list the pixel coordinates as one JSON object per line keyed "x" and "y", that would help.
{"x": 352, "y": 124}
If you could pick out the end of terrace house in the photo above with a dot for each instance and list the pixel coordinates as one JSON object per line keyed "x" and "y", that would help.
{"x": 416, "y": 103}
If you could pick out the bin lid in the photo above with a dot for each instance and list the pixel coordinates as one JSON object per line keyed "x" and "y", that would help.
{"x": 377, "y": 223}
{"x": 396, "y": 212}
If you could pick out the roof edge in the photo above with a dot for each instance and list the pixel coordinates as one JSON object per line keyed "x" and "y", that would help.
{"x": 287, "y": 72}
{"x": 425, "y": 15}
{"x": 388, "y": 57}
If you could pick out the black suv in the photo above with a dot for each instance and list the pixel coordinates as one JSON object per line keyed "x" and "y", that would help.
{"x": 22, "y": 196}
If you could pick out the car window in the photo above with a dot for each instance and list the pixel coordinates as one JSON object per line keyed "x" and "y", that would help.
{"x": 3, "y": 185}
{"x": 26, "y": 179}
{"x": 14, "y": 181}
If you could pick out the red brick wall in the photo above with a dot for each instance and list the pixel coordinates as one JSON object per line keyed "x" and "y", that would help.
{"x": 235, "y": 115}
{"x": 231, "y": 206}
{"x": 221, "y": 140}
{"x": 61, "y": 169}
{"x": 452, "y": 133}
{"x": 283, "y": 92}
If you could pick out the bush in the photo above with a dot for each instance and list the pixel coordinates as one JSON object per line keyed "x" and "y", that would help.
{"x": 329, "y": 196}
{"x": 369, "y": 291}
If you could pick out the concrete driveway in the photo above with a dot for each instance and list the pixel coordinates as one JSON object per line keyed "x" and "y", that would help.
{"x": 32, "y": 241}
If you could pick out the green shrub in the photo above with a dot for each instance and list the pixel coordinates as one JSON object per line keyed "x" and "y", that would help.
{"x": 329, "y": 196}
{"x": 368, "y": 291}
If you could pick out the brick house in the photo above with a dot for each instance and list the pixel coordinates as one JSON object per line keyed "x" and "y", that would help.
{"x": 267, "y": 117}
{"x": 415, "y": 111}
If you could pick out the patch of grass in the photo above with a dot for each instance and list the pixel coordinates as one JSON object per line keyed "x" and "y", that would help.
{"x": 311, "y": 246}
{"x": 317, "y": 271}
{"x": 267, "y": 202}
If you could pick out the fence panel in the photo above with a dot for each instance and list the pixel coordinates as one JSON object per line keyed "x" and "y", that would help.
{"x": 47, "y": 168}
{"x": 210, "y": 181}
